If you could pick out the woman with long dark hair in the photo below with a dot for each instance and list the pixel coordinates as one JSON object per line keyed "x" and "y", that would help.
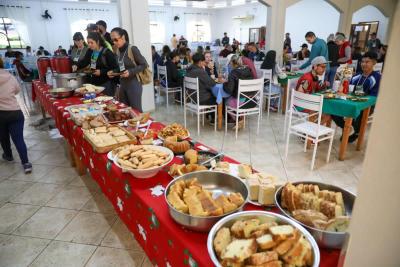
{"x": 79, "y": 48}
{"x": 130, "y": 64}
{"x": 101, "y": 60}
{"x": 269, "y": 63}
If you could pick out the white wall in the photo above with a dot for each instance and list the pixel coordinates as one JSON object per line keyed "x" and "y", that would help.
{"x": 310, "y": 15}
{"x": 371, "y": 13}
{"x": 164, "y": 15}
{"x": 239, "y": 29}
{"x": 220, "y": 20}
{"x": 57, "y": 31}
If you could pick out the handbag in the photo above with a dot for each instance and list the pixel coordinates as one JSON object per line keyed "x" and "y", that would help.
{"x": 145, "y": 76}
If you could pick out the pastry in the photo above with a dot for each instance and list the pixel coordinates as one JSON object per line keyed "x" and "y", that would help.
{"x": 263, "y": 257}
{"x": 191, "y": 156}
{"x": 223, "y": 202}
{"x": 245, "y": 170}
{"x": 265, "y": 242}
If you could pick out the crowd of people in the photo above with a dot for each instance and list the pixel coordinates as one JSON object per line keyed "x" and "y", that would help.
{"x": 111, "y": 61}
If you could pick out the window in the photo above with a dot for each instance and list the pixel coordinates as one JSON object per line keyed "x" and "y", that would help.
{"x": 9, "y": 35}
{"x": 157, "y": 32}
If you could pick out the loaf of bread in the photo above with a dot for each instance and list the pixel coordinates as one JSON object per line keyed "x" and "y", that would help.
{"x": 176, "y": 146}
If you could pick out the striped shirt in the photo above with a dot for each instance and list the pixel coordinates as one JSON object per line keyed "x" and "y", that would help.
{"x": 370, "y": 83}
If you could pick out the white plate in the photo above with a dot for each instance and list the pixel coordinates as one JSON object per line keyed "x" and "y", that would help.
{"x": 140, "y": 125}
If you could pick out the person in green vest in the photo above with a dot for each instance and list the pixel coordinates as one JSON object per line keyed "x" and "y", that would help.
{"x": 319, "y": 48}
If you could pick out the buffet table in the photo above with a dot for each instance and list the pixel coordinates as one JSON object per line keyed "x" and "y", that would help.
{"x": 140, "y": 203}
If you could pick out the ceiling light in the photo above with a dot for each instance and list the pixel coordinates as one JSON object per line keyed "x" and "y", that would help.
{"x": 156, "y": 2}
{"x": 199, "y": 4}
{"x": 238, "y": 2}
{"x": 178, "y": 3}
{"x": 220, "y": 4}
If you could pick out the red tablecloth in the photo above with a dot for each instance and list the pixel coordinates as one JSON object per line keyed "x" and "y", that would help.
{"x": 140, "y": 203}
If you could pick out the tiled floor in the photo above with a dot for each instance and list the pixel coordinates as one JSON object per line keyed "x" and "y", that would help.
{"x": 53, "y": 217}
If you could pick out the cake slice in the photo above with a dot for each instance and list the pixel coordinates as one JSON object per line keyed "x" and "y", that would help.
{"x": 263, "y": 257}
{"x": 221, "y": 240}
{"x": 223, "y": 202}
{"x": 265, "y": 242}
{"x": 239, "y": 250}
{"x": 281, "y": 232}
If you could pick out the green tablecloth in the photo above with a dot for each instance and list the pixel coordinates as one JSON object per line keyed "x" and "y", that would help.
{"x": 283, "y": 82}
{"x": 182, "y": 72}
{"x": 346, "y": 108}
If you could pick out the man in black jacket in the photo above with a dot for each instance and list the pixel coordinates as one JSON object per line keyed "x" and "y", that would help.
{"x": 174, "y": 80}
{"x": 196, "y": 70}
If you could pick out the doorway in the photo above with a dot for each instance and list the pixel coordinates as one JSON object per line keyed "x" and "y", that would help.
{"x": 360, "y": 33}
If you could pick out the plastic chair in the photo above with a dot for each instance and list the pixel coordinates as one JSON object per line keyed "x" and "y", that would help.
{"x": 307, "y": 129}
{"x": 163, "y": 78}
{"x": 268, "y": 95}
{"x": 191, "y": 102}
{"x": 250, "y": 91}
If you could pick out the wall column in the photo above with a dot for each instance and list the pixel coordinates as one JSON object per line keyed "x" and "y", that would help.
{"x": 374, "y": 236}
{"x": 134, "y": 18}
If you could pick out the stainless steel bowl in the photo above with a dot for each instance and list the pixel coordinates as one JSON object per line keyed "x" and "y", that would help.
{"x": 216, "y": 182}
{"x": 263, "y": 216}
{"x": 69, "y": 80}
{"x": 61, "y": 92}
{"x": 325, "y": 239}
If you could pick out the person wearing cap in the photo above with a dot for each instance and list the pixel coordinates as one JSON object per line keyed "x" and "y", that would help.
{"x": 304, "y": 52}
{"x": 344, "y": 49}
{"x": 319, "y": 48}
{"x": 231, "y": 86}
{"x": 42, "y": 52}
{"x": 333, "y": 51}
{"x": 368, "y": 82}
{"x": 102, "y": 26}
{"x": 95, "y": 28}
{"x": 314, "y": 81}
{"x": 100, "y": 60}
{"x": 79, "y": 48}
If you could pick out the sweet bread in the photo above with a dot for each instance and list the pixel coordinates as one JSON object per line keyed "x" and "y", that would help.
{"x": 191, "y": 156}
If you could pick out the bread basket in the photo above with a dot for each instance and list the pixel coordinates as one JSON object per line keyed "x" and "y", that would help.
{"x": 217, "y": 183}
{"x": 263, "y": 216}
{"x": 325, "y": 239}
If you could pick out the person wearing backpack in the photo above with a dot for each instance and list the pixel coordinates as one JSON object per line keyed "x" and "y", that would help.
{"x": 132, "y": 69}
{"x": 101, "y": 60}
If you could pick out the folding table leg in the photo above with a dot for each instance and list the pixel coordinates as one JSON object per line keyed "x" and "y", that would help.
{"x": 345, "y": 137}
{"x": 219, "y": 116}
{"x": 361, "y": 134}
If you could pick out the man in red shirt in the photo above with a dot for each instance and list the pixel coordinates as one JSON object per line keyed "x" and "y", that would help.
{"x": 344, "y": 49}
{"x": 314, "y": 81}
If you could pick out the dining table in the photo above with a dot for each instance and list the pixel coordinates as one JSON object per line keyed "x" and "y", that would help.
{"x": 350, "y": 108}
{"x": 284, "y": 84}
{"x": 140, "y": 203}
{"x": 220, "y": 94}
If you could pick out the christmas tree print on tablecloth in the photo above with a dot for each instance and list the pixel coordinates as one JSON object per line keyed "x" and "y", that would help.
{"x": 154, "y": 223}
{"x": 189, "y": 260}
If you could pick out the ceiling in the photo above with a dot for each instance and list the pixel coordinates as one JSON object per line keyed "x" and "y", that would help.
{"x": 201, "y": 3}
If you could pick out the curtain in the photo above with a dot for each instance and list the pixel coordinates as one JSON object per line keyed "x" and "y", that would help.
{"x": 19, "y": 18}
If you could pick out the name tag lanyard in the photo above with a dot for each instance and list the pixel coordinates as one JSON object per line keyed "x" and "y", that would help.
{"x": 94, "y": 58}
{"x": 121, "y": 61}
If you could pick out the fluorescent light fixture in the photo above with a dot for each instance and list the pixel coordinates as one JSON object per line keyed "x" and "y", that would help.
{"x": 99, "y": 1}
{"x": 238, "y": 2}
{"x": 178, "y": 3}
{"x": 220, "y": 4}
{"x": 156, "y": 2}
{"x": 254, "y": 1}
{"x": 199, "y": 4}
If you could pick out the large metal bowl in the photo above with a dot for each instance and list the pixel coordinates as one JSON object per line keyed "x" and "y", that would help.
{"x": 217, "y": 183}
{"x": 61, "y": 92}
{"x": 325, "y": 239}
{"x": 263, "y": 216}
